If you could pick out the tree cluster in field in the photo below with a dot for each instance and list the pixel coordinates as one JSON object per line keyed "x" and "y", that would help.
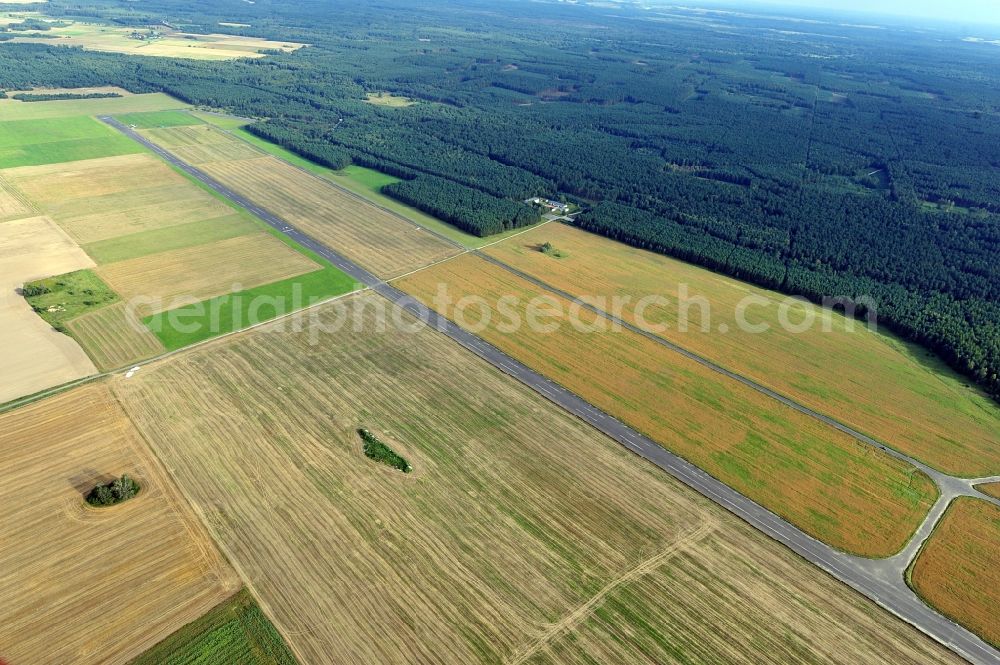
{"x": 60, "y": 96}
{"x": 873, "y": 172}
{"x": 549, "y": 249}
{"x": 34, "y": 290}
{"x": 109, "y": 494}
{"x": 469, "y": 209}
{"x": 381, "y": 453}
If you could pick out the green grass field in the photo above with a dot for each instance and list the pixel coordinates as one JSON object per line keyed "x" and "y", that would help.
{"x": 52, "y": 141}
{"x": 159, "y": 119}
{"x": 197, "y": 322}
{"x": 69, "y": 296}
{"x": 237, "y": 631}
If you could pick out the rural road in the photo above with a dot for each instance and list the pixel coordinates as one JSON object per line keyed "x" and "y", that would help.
{"x": 875, "y": 579}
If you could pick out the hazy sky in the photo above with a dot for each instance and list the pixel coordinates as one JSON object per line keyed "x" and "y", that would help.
{"x": 961, "y": 11}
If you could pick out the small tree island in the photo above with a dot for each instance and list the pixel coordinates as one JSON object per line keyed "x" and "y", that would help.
{"x": 117, "y": 491}
{"x": 381, "y": 453}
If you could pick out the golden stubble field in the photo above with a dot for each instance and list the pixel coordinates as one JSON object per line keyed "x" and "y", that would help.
{"x": 13, "y": 203}
{"x": 114, "y": 336}
{"x": 35, "y": 356}
{"x": 86, "y": 585}
{"x": 894, "y": 392}
{"x": 519, "y": 529}
{"x": 374, "y": 238}
{"x": 991, "y": 489}
{"x": 958, "y": 569}
{"x": 823, "y": 481}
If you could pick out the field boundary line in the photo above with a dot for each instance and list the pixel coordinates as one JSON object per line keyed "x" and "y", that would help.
{"x": 199, "y": 514}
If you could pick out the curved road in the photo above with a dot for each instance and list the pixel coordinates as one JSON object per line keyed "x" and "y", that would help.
{"x": 875, "y": 579}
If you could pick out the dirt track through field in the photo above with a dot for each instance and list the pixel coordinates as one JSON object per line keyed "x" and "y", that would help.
{"x": 582, "y": 612}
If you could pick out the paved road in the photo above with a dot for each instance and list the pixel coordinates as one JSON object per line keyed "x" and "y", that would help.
{"x": 870, "y": 578}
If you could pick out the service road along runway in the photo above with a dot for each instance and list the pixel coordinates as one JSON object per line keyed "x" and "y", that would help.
{"x": 864, "y": 575}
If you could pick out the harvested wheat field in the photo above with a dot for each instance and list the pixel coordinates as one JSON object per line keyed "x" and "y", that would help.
{"x": 823, "y": 481}
{"x": 169, "y": 279}
{"x": 990, "y": 489}
{"x": 36, "y": 357}
{"x": 374, "y": 238}
{"x": 13, "y": 204}
{"x": 892, "y": 391}
{"x": 958, "y": 570}
{"x": 736, "y": 581}
{"x": 516, "y": 518}
{"x": 87, "y": 585}
{"x": 114, "y": 337}
{"x": 102, "y": 199}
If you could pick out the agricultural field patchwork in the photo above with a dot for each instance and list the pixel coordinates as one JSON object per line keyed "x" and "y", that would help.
{"x": 730, "y": 579}
{"x": 366, "y": 183}
{"x": 165, "y": 42}
{"x": 517, "y": 532}
{"x": 105, "y": 199}
{"x": 38, "y": 357}
{"x": 873, "y": 382}
{"x": 180, "y": 236}
{"x": 378, "y": 240}
{"x": 823, "y": 481}
{"x": 155, "y": 234}
{"x": 198, "y": 321}
{"x": 117, "y": 580}
{"x": 958, "y": 569}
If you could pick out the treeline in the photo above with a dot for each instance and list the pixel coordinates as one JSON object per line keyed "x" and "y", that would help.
{"x": 469, "y": 209}
{"x": 319, "y": 152}
{"x": 59, "y": 96}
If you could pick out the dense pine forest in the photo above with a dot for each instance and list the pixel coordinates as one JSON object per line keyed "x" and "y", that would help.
{"x": 815, "y": 157}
